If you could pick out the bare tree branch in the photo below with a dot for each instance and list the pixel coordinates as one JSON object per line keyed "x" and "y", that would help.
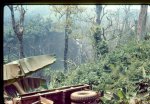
{"x": 13, "y": 18}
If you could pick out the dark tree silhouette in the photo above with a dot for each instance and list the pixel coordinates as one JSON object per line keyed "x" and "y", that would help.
{"x": 141, "y": 27}
{"x": 18, "y": 26}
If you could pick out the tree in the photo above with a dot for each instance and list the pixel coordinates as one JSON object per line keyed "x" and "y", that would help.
{"x": 98, "y": 14}
{"x": 141, "y": 27}
{"x": 69, "y": 12}
{"x": 99, "y": 35}
{"x": 125, "y": 29}
{"x": 66, "y": 38}
{"x": 9, "y": 46}
{"x": 18, "y": 26}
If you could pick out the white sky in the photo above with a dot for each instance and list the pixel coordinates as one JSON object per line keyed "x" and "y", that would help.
{"x": 117, "y": 6}
{"x": 111, "y": 7}
{"x": 36, "y": 8}
{"x": 93, "y": 6}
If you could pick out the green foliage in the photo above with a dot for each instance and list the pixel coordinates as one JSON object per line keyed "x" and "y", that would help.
{"x": 38, "y": 25}
{"x": 5, "y": 60}
{"x": 102, "y": 47}
{"x": 118, "y": 69}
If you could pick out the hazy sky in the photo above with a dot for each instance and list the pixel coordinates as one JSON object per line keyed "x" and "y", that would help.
{"x": 36, "y": 7}
{"x": 93, "y": 6}
{"x": 45, "y": 9}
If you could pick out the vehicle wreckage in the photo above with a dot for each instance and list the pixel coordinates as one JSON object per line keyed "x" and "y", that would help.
{"x": 17, "y": 85}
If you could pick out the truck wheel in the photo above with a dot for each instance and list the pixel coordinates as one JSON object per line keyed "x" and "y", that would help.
{"x": 84, "y": 96}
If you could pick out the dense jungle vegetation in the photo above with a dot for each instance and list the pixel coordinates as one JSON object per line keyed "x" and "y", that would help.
{"x": 105, "y": 46}
{"x": 120, "y": 69}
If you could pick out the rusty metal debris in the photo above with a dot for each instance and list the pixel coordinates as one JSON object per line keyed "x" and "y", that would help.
{"x": 58, "y": 96}
{"x": 22, "y": 67}
{"x": 25, "y": 85}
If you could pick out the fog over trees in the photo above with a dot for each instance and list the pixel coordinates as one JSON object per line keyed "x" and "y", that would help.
{"x": 83, "y": 38}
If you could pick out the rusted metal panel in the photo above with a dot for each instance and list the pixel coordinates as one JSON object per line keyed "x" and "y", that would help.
{"x": 26, "y": 84}
{"x": 58, "y": 96}
{"x": 46, "y": 101}
{"x": 32, "y": 93}
{"x": 17, "y": 69}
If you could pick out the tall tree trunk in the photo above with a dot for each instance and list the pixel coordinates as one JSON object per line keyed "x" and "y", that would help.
{"x": 66, "y": 41}
{"x": 9, "y": 51}
{"x": 66, "y": 51}
{"x": 141, "y": 28}
{"x": 18, "y": 27}
{"x": 127, "y": 11}
{"x": 98, "y": 14}
{"x": 98, "y": 33}
{"x": 21, "y": 54}
{"x": 125, "y": 27}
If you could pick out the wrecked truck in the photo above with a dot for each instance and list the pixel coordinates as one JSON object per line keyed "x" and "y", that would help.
{"x": 17, "y": 85}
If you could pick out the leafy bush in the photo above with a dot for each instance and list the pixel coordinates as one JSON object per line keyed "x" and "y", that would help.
{"x": 120, "y": 68}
